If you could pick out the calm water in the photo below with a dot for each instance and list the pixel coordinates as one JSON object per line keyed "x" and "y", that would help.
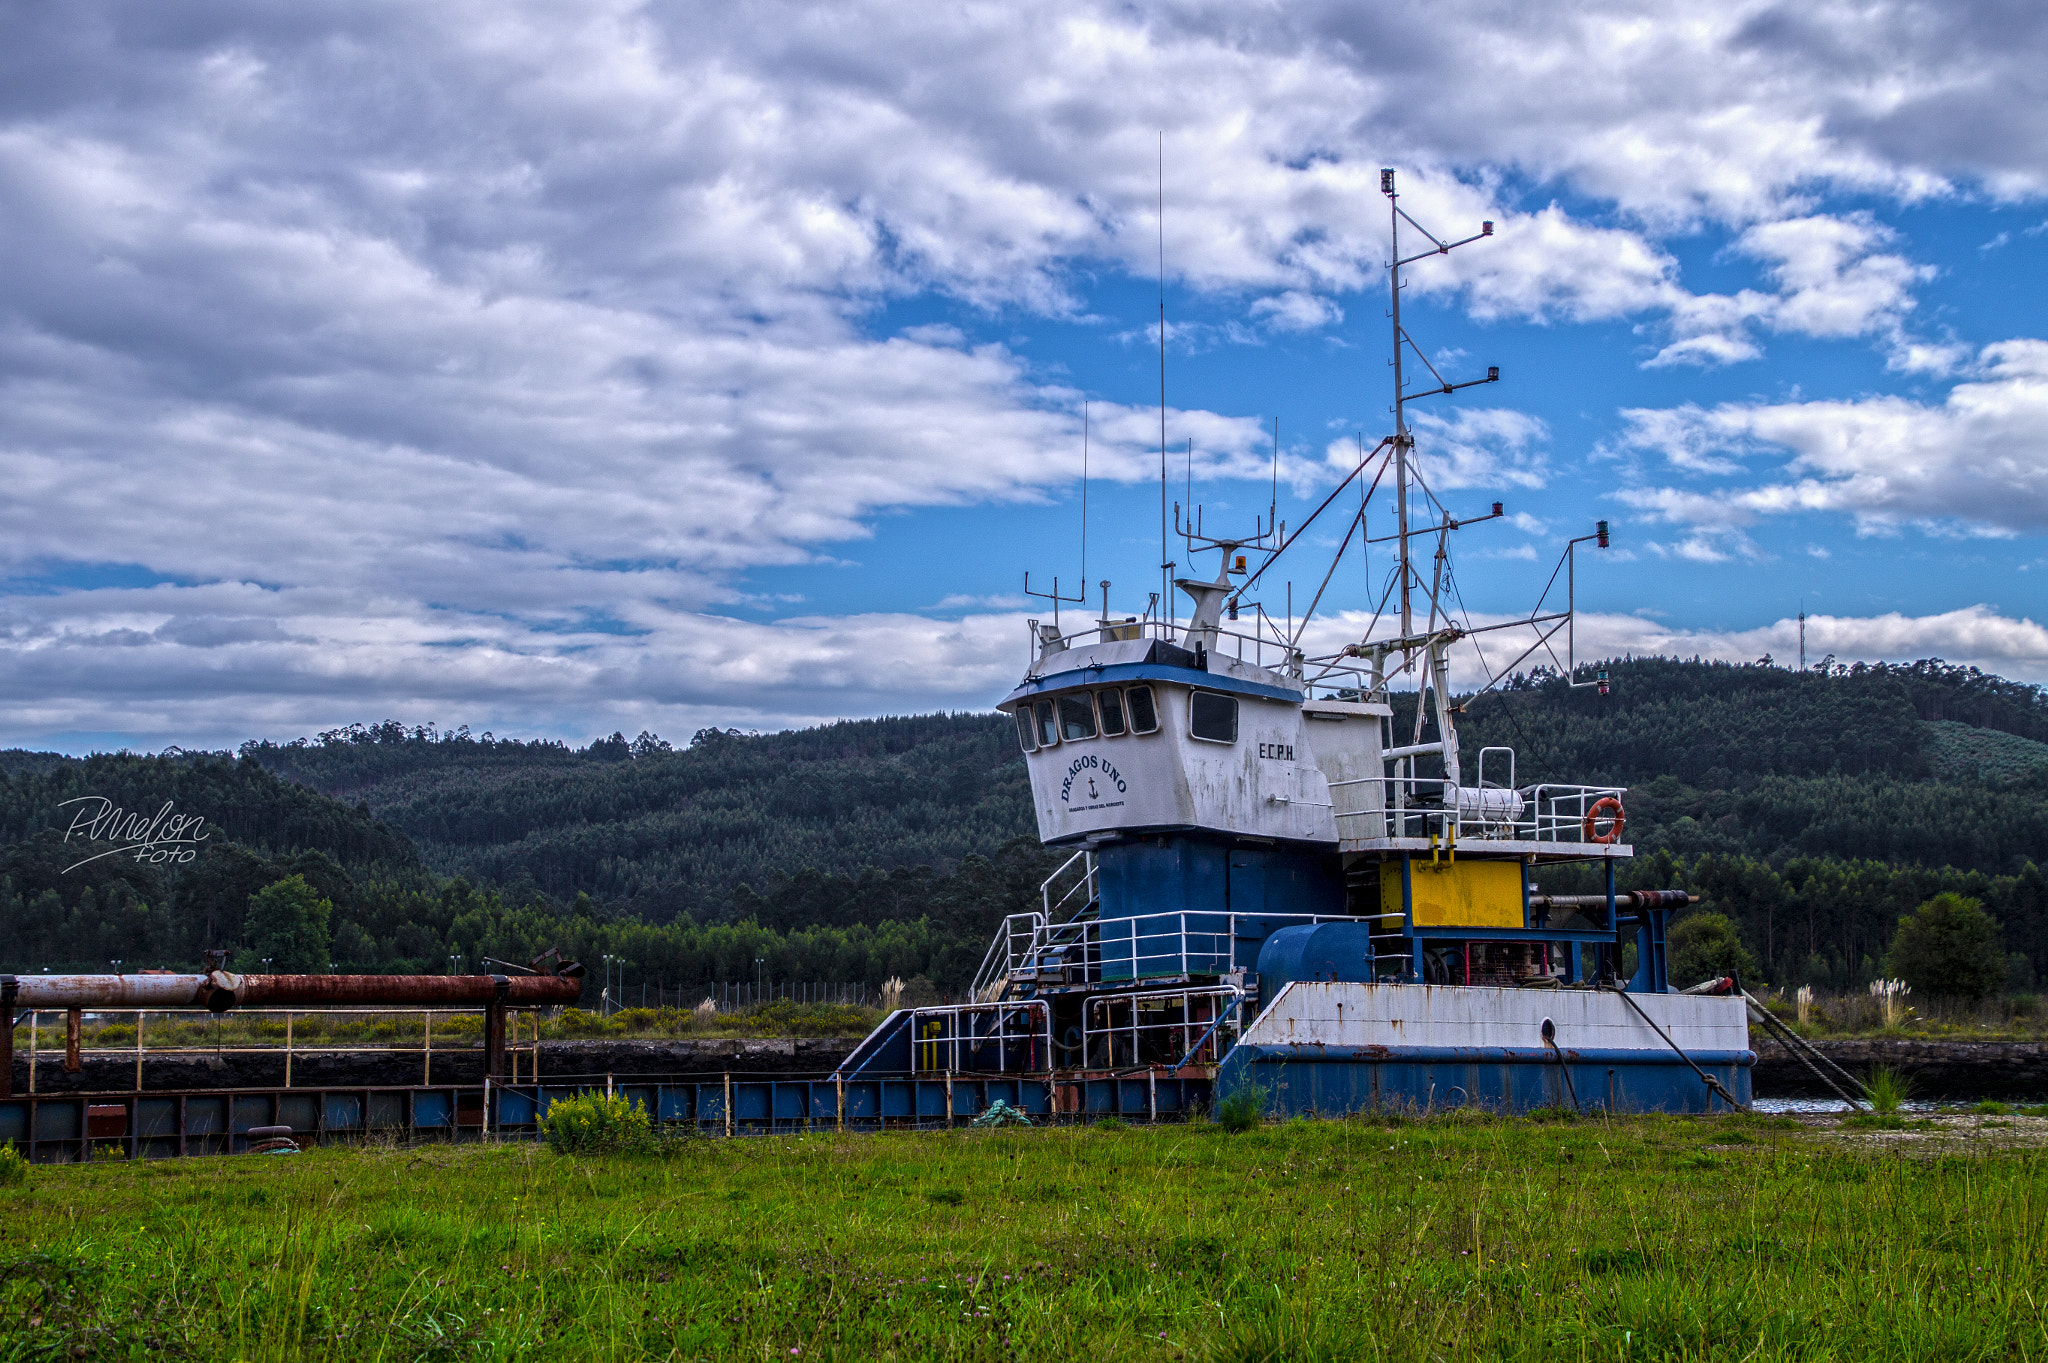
{"x": 1813, "y": 1105}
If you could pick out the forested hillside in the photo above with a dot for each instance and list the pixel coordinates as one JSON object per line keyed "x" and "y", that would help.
{"x": 662, "y": 832}
{"x": 1926, "y": 765}
{"x": 1812, "y": 808}
{"x": 1857, "y": 763}
{"x": 153, "y": 859}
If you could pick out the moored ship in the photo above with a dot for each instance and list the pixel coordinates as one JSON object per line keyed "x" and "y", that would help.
{"x": 1274, "y": 889}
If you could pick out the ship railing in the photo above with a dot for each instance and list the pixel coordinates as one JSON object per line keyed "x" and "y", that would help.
{"x": 1059, "y": 946}
{"x": 1118, "y": 951}
{"x": 1005, "y": 954}
{"x": 1012, "y": 949}
{"x": 1422, "y": 806}
{"x": 1055, "y": 910}
{"x": 1008, "y": 1037}
{"x": 1172, "y": 1027}
{"x": 1219, "y": 638}
{"x": 1177, "y": 943}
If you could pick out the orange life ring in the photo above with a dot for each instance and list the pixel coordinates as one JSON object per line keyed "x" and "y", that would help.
{"x": 1606, "y": 805}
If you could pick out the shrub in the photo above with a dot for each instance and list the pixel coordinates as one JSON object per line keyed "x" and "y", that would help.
{"x": 642, "y": 1019}
{"x": 1242, "y": 1110}
{"x": 592, "y": 1124}
{"x": 1705, "y": 946}
{"x": 576, "y": 1022}
{"x": 13, "y": 1168}
{"x": 1949, "y": 947}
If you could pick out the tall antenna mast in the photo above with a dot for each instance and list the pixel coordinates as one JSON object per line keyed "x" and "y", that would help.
{"x": 1273, "y": 506}
{"x": 1165, "y": 567}
{"x": 1404, "y": 442}
{"x": 1802, "y": 636}
{"x": 1084, "y": 495}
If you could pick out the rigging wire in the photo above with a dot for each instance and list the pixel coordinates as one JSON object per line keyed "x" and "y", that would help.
{"x": 1542, "y": 760}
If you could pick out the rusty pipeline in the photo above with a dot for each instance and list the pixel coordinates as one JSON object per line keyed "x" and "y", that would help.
{"x": 410, "y": 991}
{"x": 220, "y": 991}
{"x": 1623, "y": 899}
{"x": 111, "y": 991}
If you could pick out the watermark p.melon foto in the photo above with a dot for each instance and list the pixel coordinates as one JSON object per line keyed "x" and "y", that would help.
{"x": 166, "y": 838}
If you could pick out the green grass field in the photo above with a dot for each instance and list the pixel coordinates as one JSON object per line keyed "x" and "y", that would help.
{"x": 1474, "y": 1238}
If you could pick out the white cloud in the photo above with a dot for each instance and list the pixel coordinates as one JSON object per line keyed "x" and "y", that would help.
{"x": 1297, "y": 311}
{"x": 456, "y": 333}
{"x": 212, "y": 665}
{"x": 285, "y": 663}
{"x": 1831, "y": 281}
{"x": 959, "y": 601}
{"x": 1977, "y": 635}
{"x": 1977, "y": 460}
{"x": 1471, "y": 447}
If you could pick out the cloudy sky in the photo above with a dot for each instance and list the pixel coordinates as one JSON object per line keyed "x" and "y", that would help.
{"x": 560, "y": 368}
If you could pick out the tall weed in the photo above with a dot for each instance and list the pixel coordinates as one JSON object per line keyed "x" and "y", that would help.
{"x": 1888, "y": 1088}
{"x": 1241, "y": 1110}
{"x": 593, "y": 1124}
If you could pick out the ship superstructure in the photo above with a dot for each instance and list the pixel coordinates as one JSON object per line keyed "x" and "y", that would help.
{"x": 1273, "y": 885}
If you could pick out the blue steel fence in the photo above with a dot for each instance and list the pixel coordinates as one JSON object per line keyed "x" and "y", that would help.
{"x": 68, "y": 1128}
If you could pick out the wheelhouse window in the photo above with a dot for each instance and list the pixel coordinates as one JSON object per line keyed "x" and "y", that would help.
{"x": 1213, "y": 717}
{"x": 1077, "y": 717}
{"x": 1048, "y": 727}
{"x": 1111, "y": 703}
{"x": 1027, "y": 735}
{"x": 1144, "y": 714}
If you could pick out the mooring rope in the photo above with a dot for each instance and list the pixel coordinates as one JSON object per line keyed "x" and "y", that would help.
{"x": 1801, "y": 1050}
{"x": 1713, "y": 1085}
{"x": 1565, "y": 1070}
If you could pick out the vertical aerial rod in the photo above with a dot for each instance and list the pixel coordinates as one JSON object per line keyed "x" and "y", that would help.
{"x": 1402, "y": 440}
{"x": 1165, "y": 568}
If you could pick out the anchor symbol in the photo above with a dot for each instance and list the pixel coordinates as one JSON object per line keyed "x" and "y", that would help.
{"x": 1093, "y": 793}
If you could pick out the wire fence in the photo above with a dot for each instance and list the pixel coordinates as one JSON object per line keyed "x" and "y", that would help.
{"x": 737, "y": 995}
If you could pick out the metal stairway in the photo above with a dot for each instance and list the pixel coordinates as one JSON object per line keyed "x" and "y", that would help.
{"x": 1033, "y": 949}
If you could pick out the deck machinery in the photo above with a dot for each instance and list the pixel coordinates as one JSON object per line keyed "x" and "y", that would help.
{"x": 1271, "y": 889}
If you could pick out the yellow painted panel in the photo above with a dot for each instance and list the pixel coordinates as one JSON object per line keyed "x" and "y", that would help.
{"x": 1466, "y": 894}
